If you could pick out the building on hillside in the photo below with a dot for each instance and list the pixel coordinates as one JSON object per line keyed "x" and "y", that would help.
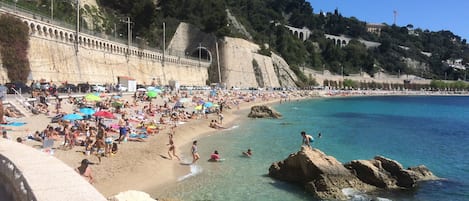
{"x": 456, "y": 64}
{"x": 374, "y": 28}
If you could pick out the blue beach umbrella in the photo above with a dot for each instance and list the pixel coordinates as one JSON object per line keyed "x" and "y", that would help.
{"x": 72, "y": 117}
{"x": 116, "y": 97}
{"x": 208, "y": 104}
{"x": 87, "y": 111}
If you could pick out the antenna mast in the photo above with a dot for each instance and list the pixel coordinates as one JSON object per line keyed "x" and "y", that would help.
{"x": 395, "y": 16}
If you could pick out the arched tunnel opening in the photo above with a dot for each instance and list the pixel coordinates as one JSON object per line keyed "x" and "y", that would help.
{"x": 203, "y": 53}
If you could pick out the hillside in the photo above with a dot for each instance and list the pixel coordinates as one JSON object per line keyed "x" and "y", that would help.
{"x": 403, "y": 50}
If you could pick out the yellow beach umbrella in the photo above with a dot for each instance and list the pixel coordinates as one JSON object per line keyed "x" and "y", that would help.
{"x": 92, "y": 97}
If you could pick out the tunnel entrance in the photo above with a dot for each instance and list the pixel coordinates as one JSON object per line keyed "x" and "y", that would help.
{"x": 203, "y": 53}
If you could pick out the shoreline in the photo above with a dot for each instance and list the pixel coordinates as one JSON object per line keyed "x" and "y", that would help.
{"x": 173, "y": 169}
{"x": 142, "y": 165}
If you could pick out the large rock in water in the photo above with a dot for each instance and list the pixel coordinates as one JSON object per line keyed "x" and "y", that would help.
{"x": 326, "y": 177}
{"x": 262, "y": 111}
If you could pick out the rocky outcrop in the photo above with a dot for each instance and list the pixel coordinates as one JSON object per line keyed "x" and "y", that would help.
{"x": 326, "y": 177}
{"x": 262, "y": 111}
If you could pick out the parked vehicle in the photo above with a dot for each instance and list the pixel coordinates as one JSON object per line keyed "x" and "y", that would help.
{"x": 98, "y": 88}
{"x": 83, "y": 87}
{"x": 44, "y": 86}
{"x": 121, "y": 88}
{"x": 18, "y": 86}
{"x": 68, "y": 87}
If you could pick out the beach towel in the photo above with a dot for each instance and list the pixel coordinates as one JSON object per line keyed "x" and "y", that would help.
{"x": 134, "y": 135}
{"x": 15, "y": 124}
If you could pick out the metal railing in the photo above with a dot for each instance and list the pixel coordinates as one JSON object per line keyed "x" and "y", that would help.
{"x": 26, "y": 106}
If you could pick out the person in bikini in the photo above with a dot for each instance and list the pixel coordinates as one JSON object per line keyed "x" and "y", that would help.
{"x": 194, "y": 150}
{"x": 172, "y": 148}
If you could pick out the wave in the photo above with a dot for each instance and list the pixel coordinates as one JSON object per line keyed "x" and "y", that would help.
{"x": 232, "y": 127}
{"x": 355, "y": 195}
{"x": 195, "y": 170}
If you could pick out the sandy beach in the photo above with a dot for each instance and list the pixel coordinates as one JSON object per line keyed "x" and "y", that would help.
{"x": 141, "y": 165}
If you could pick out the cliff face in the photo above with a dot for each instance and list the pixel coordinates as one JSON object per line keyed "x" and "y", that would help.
{"x": 242, "y": 66}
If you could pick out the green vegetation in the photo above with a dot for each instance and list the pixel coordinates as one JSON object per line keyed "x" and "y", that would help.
{"x": 14, "y": 44}
{"x": 264, "y": 20}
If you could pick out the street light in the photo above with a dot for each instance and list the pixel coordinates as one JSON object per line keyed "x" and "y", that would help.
{"x": 52, "y": 9}
{"x": 16, "y": 1}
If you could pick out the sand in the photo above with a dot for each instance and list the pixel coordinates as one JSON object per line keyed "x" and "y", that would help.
{"x": 138, "y": 165}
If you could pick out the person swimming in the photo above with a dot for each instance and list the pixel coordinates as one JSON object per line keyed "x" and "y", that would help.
{"x": 215, "y": 157}
{"x": 248, "y": 153}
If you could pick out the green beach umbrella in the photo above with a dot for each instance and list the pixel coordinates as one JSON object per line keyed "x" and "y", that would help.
{"x": 117, "y": 104}
{"x": 152, "y": 94}
{"x": 92, "y": 97}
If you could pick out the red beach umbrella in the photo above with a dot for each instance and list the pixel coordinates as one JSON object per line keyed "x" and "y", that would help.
{"x": 105, "y": 114}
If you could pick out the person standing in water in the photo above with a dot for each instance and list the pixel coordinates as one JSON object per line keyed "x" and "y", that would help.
{"x": 194, "y": 150}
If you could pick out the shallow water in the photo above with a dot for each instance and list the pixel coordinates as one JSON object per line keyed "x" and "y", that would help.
{"x": 433, "y": 131}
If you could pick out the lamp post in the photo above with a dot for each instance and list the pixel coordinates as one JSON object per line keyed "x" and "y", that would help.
{"x": 52, "y": 9}
{"x": 16, "y": 1}
{"x": 78, "y": 26}
{"x": 164, "y": 42}
{"x": 129, "y": 34}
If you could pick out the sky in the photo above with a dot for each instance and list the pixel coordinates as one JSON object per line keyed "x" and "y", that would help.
{"x": 434, "y": 15}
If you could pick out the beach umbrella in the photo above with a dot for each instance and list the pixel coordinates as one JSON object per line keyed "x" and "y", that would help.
{"x": 151, "y": 88}
{"x": 208, "y": 104}
{"x": 105, "y": 114}
{"x": 152, "y": 94}
{"x": 87, "y": 111}
{"x": 72, "y": 117}
{"x": 185, "y": 100}
{"x": 141, "y": 89}
{"x": 117, "y": 97}
{"x": 198, "y": 107}
{"x": 117, "y": 104}
{"x": 92, "y": 97}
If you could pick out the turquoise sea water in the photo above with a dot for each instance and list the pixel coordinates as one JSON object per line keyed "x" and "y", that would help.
{"x": 433, "y": 131}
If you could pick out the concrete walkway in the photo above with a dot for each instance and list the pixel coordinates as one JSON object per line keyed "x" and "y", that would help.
{"x": 35, "y": 175}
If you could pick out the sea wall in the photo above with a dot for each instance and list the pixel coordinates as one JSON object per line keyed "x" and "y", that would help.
{"x": 29, "y": 174}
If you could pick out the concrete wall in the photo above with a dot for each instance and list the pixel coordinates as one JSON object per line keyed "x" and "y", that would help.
{"x": 33, "y": 175}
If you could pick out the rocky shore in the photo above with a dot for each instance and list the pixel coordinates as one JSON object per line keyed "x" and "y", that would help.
{"x": 326, "y": 177}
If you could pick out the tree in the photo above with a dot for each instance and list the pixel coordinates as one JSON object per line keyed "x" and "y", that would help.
{"x": 14, "y": 43}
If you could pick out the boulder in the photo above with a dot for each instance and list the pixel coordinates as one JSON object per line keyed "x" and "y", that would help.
{"x": 406, "y": 178}
{"x": 371, "y": 173}
{"x": 326, "y": 177}
{"x": 263, "y": 111}
{"x": 321, "y": 174}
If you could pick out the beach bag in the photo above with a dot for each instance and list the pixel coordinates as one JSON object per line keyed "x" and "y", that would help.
{"x": 311, "y": 139}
